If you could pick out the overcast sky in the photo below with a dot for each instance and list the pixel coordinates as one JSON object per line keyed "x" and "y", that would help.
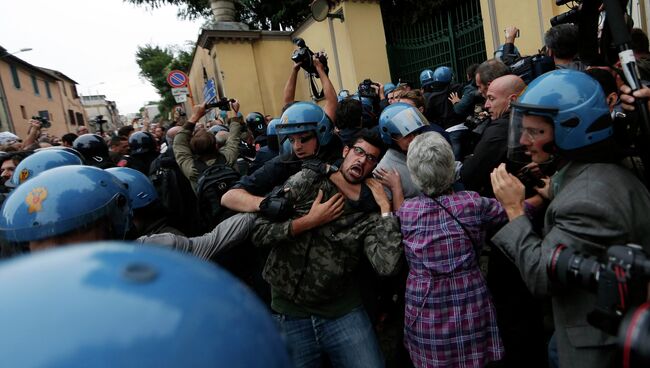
{"x": 93, "y": 42}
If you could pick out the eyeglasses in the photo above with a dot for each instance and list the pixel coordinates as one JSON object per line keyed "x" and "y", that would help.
{"x": 532, "y": 133}
{"x": 362, "y": 153}
{"x": 304, "y": 139}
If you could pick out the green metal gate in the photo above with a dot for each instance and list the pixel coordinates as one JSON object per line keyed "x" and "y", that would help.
{"x": 452, "y": 37}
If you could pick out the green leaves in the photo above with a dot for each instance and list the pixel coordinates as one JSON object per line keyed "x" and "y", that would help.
{"x": 155, "y": 63}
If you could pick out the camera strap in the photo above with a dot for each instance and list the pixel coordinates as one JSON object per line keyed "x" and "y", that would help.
{"x": 314, "y": 89}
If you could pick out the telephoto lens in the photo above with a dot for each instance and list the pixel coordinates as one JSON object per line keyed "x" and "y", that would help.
{"x": 570, "y": 268}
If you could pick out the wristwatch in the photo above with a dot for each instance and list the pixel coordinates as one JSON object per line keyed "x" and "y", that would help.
{"x": 388, "y": 214}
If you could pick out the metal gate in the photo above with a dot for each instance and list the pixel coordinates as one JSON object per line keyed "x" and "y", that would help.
{"x": 452, "y": 37}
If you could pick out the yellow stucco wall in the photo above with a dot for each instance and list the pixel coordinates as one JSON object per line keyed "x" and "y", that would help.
{"x": 202, "y": 60}
{"x": 367, "y": 41}
{"x": 255, "y": 69}
{"x": 273, "y": 66}
{"x": 530, "y": 16}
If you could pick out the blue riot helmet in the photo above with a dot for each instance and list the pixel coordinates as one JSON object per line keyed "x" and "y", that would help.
{"x": 272, "y": 134}
{"x": 572, "y": 101}
{"x": 302, "y": 117}
{"x": 64, "y": 199}
{"x": 389, "y": 87}
{"x": 218, "y": 128}
{"x": 62, "y": 148}
{"x": 93, "y": 148}
{"x": 272, "y": 128}
{"x": 116, "y": 304}
{"x": 141, "y": 143}
{"x": 141, "y": 192}
{"x": 399, "y": 120}
{"x": 442, "y": 75}
{"x": 41, "y": 161}
{"x": 426, "y": 78}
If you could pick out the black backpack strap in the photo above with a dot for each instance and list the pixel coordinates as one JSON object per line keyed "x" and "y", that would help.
{"x": 199, "y": 165}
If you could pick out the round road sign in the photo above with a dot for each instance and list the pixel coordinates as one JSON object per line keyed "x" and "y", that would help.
{"x": 177, "y": 78}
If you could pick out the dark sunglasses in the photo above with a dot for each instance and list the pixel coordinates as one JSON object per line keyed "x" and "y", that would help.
{"x": 303, "y": 139}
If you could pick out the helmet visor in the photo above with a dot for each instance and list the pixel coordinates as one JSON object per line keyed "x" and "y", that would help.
{"x": 296, "y": 135}
{"x": 529, "y": 125}
{"x": 407, "y": 121}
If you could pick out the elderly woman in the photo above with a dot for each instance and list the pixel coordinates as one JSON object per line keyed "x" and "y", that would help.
{"x": 449, "y": 317}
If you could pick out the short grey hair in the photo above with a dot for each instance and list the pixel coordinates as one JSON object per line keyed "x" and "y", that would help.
{"x": 431, "y": 163}
{"x": 221, "y": 138}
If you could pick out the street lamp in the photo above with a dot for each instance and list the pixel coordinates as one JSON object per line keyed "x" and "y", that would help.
{"x": 16, "y": 52}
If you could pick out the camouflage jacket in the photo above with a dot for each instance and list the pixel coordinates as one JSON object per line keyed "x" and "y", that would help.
{"x": 317, "y": 265}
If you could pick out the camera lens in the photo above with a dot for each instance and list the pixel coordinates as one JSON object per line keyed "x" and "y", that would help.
{"x": 569, "y": 268}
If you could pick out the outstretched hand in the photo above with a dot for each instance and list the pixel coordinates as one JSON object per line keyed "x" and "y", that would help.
{"x": 509, "y": 191}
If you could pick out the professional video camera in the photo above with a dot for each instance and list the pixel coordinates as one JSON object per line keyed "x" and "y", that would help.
{"x": 531, "y": 67}
{"x": 304, "y": 56}
{"x": 222, "y": 104}
{"x": 45, "y": 123}
{"x": 366, "y": 90}
{"x": 621, "y": 286}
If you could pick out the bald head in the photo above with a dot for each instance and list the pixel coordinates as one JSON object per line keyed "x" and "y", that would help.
{"x": 171, "y": 133}
{"x": 508, "y": 84}
{"x": 501, "y": 92}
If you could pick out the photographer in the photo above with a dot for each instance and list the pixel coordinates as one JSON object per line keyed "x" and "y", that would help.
{"x": 595, "y": 203}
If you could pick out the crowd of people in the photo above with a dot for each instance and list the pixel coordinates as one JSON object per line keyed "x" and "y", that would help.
{"x": 396, "y": 226}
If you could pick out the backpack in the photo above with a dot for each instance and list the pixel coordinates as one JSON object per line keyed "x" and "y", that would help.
{"x": 213, "y": 182}
{"x": 175, "y": 193}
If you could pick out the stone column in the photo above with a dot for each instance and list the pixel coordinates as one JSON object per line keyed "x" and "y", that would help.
{"x": 223, "y": 10}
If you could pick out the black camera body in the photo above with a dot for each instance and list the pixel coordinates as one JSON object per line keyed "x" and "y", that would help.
{"x": 99, "y": 119}
{"x": 474, "y": 121}
{"x": 366, "y": 90}
{"x": 304, "y": 56}
{"x": 45, "y": 123}
{"x": 531, "y": 67}
{"x": 620, "y": 285}
{"x": 222, "y": 104}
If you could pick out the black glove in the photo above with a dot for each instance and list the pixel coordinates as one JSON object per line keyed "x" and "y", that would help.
{"x": 276, "y": 206}
{"x": 319, "y": 166}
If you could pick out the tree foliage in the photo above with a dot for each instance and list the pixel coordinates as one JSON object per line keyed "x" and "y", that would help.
{"x": 257, "y": 14}
{"x": 155, "y": 63}
{"x": 407, "y": 12}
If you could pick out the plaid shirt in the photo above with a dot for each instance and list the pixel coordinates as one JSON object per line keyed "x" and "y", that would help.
{"x": 449, "y": 317}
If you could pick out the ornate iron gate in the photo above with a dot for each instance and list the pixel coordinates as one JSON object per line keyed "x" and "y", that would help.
{"x": 453, "y": 37}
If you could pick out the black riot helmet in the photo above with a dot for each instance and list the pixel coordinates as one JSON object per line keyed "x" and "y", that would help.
{"x": 256, "y": 123}
{"x": 141, "y": 143}
{"x": 93, "y": 148}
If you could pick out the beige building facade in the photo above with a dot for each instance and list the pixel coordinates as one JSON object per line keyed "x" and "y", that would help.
{"x": 28, "y": 90}
{"x": 253, "y": 66}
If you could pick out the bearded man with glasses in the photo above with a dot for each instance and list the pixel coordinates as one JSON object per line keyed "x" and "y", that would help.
{"x": 313, "y": 265}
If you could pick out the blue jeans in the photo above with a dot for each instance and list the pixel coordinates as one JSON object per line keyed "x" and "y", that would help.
{"x": 348, "y": 341}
